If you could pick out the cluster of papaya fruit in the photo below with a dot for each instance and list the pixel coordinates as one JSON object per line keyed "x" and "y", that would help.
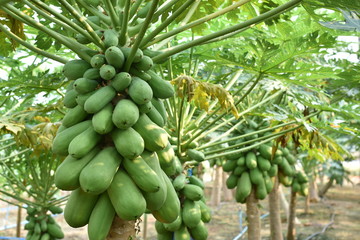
{"x": 190, "y": 223}
{"x": 257, "y": 168}
{"x": 42, "y": 226}
{"x": 111, "y": 135}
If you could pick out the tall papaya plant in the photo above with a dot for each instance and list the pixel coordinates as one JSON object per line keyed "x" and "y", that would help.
{"x": 110, "y": 88}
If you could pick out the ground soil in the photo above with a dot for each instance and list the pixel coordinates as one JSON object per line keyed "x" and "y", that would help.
{"x": 341, "y": 203}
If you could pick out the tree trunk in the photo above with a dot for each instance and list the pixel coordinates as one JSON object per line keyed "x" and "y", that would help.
{"x": 307, "y": 204}
{"x": 216, "y": 188}
{"x": 227, "y": 193}
{"x": 326, "y": 187}
{"x": 275, "y": 216}
{"x": 18, "y": 222}
{"x": 122, "y": 230}
{"x": 253, "y": 217}
{"x": 291, "y": 232}
{"x": 285, "y": 205}
{"x": 313, "y": 190}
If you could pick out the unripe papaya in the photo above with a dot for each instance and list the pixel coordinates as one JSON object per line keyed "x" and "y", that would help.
{"x": 70, "y": 98}
{"x": 145, "y": 108}
{"x": 191, "y": 213}
{"x": 156, "y": 117}
{"x": 138, "y": 55}
{"x": 192, "y": 192}
{"x": 110, "y": 38}
{"x": 97, "y": 61}
{"x": 140, "y": 91}
{"x": 126, "y": 114}
{"x": 75, "y": 69}
{"x": 160, "y": 87}
{"x": 231, "y": 181}
{"x": 128, "y": 142}
{"x": 199, "y": 232}
{"x": 121, "y": 81}
{"x": 92, "y": 73}
{"x": 96, "y": 176}
{"x": 115, "y": 57}
{"x": 250, "y": 160}
{"x": 145, "y": 64}
{"x": 99, "y": 99}
{"x": 84, "y": 142}
{"x": 74, "y": 116}
{"x": 102, "y": 120}
{"x": 84, "y": 85}
{"x": 107, "y": 72}
{"x": 81, "y": 98}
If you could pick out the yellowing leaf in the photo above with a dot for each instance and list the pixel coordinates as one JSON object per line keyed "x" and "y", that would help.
{"x": 203, "y": 92}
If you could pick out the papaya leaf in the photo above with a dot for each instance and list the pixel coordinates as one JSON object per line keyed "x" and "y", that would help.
{"x": 203, "y": 92}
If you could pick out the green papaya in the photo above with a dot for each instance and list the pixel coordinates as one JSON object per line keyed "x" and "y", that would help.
{"x": 263, "y": 163}
{"x": 160, "y": 228}
{"x": 126, "y": 114}
{"x": 231, "y": 181}
{"x": 250, "y": 160}
{"x": 78, "y": 208}
{"x": 261, "y": 191}
{"x": 144, "y": 10}
{"x": 199, "y": 232}
{"x": 99, "y": 99}
{"x": 107, "y": 72}
{"x": 196, "y": 181}
{"x": 115, "y": 57}
{"x": 140, "y": 74}
{"x": 140, "y": 91}
{"x": 126, "y": 197}
{"x": 81, "y": 98}
{"x": 179, "y": 182}
{"x": 229, "y": 165}
{"x": 173, "y": 226}
{"x": 138, "y": 54}
{"x": 239, "y": 170}
{"x": 273, "y": 171}
{"x": 121, "y": 81}
{"x": 196, "y": 155}
{"x": 155, "y": 137}
{"x": 55, "y": 231}
{"x": 241, "y": 161}
{"x": 55, "y": 209}
{"x": 92, "y": 73}
{"x": 160, "y": 107}
{"x": 69, "y": 100}
{"x": 145, "y": 108}
{"x": 75, "y": 69}
{"x": 84, "y": 142}
{"x": 155, "y": 200}
{"x": 102, "y": 120}
{"x": 144, "y": 64}
{"x": 62, "y": 140}
{"x": 101, "y": 218}
{"x": 192, "y": 192}
{"x": 74, "y": 116}
{"x": 128, "y": 142}
{"x": 97, "y": 61}
{"x": 96, "y": 176}
{"x": 161, "y": 88}
{"x": 84, "y": 85}
{"x": 182, "y": 233}
{"x": 170, "y": 210}
{"x": 142, "y": 174}
{"x": 256, "y": 176}
{"x": 243, "y": 188}
{"x": 110, "y": 38}
{"x": 191, "y": 213}
{"x": 265, "y": 151}
{"x": 166, "y": 156}
{"x": 156, "y": 117}
{"x": 205, "y": 212}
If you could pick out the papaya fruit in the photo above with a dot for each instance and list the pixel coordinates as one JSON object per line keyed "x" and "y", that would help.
{"x": 161, "y": 88}
{"x": 97, "y": 175}
{"x": 101, "y": 218}
{"x": 138, "y": 54}
{"x": 192, "y": 192}
{"x": 128, "y": 142}
{"x": 241, "y": 161}
{"x": 92, "y": 73}
{"x": 145, "y": 108}
{"x": 55, "y": 231}
{"x": 75, "y": 69}
{"x": 84, "y": 142}
{"x": 170, "y": 210}
{"x": 229, "y": 165}
{"x": 142, "y": 174}
{"x": 199, "y": 232}
{"x": 99, "y": 99}
{"x": 126, "y": 197}
{"x": 243, "y": 188}
{"x": 97, "y": 61}
{"x": 74, "y": 116}
{"x": 261, "y": 191}
{"x": 115, "y": 57}
{"x": 231, "y": 181}
{"x": 107, "y": 72}
{"x": 182, "y": 233}
{"x": 265, "y": 151}
{"x": 250, "y": 160}
{"x": 121, "y": 81}
{"x": 160, "y": 107}
{"x": 84, "y": 85}
{"x": 166, "y": 156}
{"x": 156, "y": 117}
{"x": 144, "y": 10}
{"x": 144, "y": 64}
{"x": 273, "y": 171}
{"x": 102, "y": 120}
{"x": 263, "y": 163}
{"x": 81, "y": 98}
{"x": 155, "y": 138}
{"x": 62, "y": 140}
{"x": 196, "y": 181}
{"x": 78, "y": 208}
{"x": 205, "y": 212}
{"x": 239, "y": 170}
{"x": 173, "y": 226}
{"x": 69, "y": 100}
{"x": 191, "y": 213}
{"x": 256, "y": 176}
{"x": 126, "y": 114}
{"x": 179, "y": 182}
{"x": 155, "y": 200}
{"x": 140, "y": 74}
{"x": 110, "y": 38}
{"x": 196, "y": 155}
{"x": 140, "y": 91}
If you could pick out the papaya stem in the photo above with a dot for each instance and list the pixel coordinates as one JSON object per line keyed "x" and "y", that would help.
{"x": 180, "y": 122}
{"x": 113, "y": 15}
{"x": 163, "y": 8}
{"x": 125, "y": 21}
{"x": 140, "y": 35}
{"x": 166, "y": 23}
{"x": 31, "y": 47}
{"x": 95, "y": 12}
{"x": 135, "y": 7}
{"x": 82, "y": 20}
{"x": 197, "y": 22}
{"x": 256, "y": 20}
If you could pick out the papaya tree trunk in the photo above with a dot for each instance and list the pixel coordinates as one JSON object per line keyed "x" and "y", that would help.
{"x": 216, "y": 188}
{"x": 313, "y": 189}
{"x": 285, "y": 205}
{"x": 18, "y": 222}
{"x": 253, "y": 217}
{"x": 291, "y": 231}
{"x": 122, "y": 230}
{"x": 307, "y": 204}
{"x": 227, "y": 193}
{"x": 275, "y": 215}
{"x": 326, "y": 187}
